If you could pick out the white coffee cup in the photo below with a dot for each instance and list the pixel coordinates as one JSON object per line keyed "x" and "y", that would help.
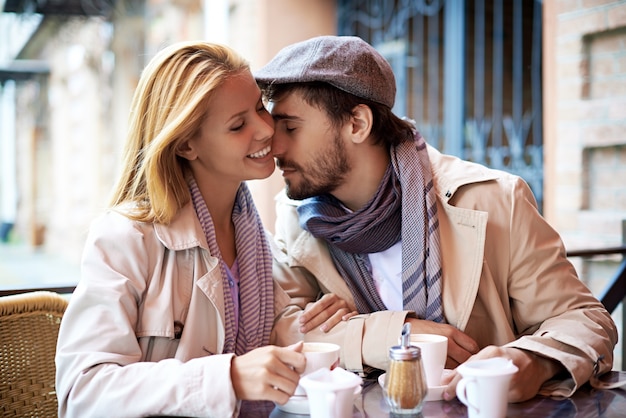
{"x": 484, "y": 387}
{"x": 319, "y": 355}
{"x": 434, "y": 350}
{"x": 331, "y": 393}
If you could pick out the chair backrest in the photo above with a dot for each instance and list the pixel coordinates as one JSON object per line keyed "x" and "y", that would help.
{"x": 29, "y": 327}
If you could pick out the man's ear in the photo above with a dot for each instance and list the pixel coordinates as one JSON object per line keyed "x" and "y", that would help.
{"x": 361, "y": 123}
{"x": 186, "y": 150}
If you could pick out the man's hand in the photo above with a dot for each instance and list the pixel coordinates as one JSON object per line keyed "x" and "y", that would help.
{"x": 533, "y": 371}
{"x": 460, "y": 345}
{"x": 326, "y": 312}
{"x": 268, "y": 373}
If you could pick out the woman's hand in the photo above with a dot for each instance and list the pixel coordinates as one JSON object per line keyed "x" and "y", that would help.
{"x": 268, "y": 373}
{"x": 326, "y": 312}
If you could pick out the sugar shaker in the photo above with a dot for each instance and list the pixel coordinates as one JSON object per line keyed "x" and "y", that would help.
{"x": 405, "y": 385}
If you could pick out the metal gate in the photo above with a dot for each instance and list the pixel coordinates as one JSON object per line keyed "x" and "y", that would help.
{"x": 467, "y": 71}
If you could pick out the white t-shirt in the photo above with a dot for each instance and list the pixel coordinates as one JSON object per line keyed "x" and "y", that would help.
{"x": 387, "y": 274}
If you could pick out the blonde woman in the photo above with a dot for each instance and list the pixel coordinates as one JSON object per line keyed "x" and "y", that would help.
{"x": 176, "y": 302}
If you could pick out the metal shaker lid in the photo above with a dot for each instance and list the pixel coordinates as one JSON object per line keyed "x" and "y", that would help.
{"x": 398, "y": 352}
{"x": 405, "y": 351}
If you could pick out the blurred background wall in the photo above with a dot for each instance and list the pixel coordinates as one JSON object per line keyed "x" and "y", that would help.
{"x": 71, "y": 82}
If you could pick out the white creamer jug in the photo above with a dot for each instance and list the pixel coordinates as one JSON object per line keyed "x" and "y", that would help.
{"x": 331, "y": 393}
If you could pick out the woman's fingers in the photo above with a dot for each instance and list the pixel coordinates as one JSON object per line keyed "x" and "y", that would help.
{"x": 325, "y": 313}
{"x": 267, "y": 373}
{"x": 342, "y": 314}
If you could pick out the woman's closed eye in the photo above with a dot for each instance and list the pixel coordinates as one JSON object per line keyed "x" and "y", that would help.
{"x": 237, "y": 127}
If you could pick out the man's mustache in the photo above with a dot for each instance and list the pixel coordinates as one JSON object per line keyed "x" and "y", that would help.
{"x": 282, "y": 164}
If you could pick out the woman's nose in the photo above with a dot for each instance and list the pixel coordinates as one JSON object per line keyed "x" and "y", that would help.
{"x": 266, "y": 127}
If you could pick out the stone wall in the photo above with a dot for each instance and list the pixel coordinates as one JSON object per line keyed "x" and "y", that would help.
{"x": 586, "y": 120}
{"x": 585, "y": 132}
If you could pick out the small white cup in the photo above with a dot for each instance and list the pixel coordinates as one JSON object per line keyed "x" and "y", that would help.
{"x": 434, "y": 350}
{"x": 331, "y": 393}
{"x": 319, "y": 355}
{"x": 484, "y": 387}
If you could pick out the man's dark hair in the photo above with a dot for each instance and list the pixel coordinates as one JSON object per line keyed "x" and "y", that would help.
{"x": 387, "y": 129}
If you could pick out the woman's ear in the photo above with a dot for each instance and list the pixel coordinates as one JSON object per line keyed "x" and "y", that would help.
{"x": 361, "y": 123}
{"x": 185, "y": 150}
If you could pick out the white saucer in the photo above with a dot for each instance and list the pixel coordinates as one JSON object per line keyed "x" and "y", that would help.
{"x": 300, "y": 404}
{"x": 434, "y": 392}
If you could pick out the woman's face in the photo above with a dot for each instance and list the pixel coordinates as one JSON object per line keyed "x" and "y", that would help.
{"x": 234, "y": 143}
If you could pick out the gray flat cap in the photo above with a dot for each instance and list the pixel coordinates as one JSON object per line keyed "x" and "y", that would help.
{"x": 346, "y": 62}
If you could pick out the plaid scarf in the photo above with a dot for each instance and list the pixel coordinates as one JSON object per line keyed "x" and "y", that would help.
{"x": 404, "y": 208}
{"x": 256, "y": 287}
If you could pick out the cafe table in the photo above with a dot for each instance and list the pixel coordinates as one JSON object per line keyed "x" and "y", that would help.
{"x": 587, "y": 402}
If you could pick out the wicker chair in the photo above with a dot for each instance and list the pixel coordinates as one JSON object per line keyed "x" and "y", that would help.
{"x": 29, "y": 326}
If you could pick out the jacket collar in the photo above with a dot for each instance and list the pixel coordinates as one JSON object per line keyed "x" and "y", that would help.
{"x": 183, "y": 232}
{"x": 450, "y": 173}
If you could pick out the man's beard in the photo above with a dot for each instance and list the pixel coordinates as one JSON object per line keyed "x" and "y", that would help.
{"x": 324, "y": 173}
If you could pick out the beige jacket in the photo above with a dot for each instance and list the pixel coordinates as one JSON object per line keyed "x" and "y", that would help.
{"x": 506, "y": 279}
{"x": 119, "y": 349}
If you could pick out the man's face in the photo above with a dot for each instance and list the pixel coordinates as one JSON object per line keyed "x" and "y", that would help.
{"x": 308, "y": 149}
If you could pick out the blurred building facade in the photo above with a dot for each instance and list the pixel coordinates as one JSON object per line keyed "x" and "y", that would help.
{"x": 533, "y": 87}
{"x": 70, "y": 118}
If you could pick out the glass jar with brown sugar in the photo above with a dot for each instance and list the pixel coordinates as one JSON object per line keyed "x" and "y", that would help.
{"x": 405, "y": 383}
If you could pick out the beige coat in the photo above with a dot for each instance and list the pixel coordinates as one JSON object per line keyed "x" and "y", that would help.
{"x": 119, "y": 354}
{"x": 506, "y": 280}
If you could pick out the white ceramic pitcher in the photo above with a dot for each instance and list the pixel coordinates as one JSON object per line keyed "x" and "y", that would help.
{"x": 484, "y": 387}
{"x": 331, "y": 393}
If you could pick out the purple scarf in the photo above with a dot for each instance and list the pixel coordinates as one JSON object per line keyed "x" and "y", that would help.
{"x": 256, "y": 287}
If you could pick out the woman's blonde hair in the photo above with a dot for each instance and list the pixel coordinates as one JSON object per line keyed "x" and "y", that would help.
{"x": 168, "y": 108}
